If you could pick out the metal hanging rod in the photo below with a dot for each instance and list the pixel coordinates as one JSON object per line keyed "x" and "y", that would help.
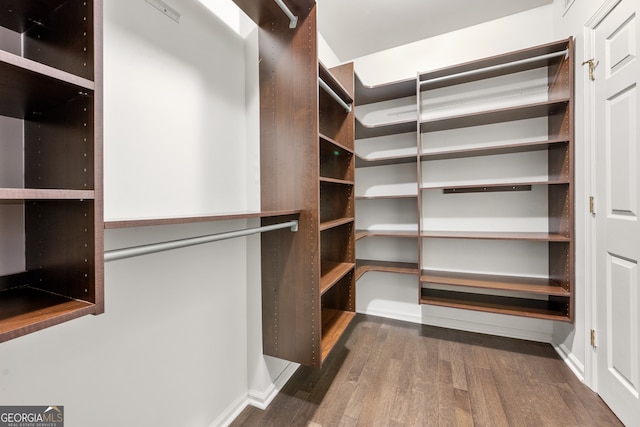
{"x": 292, "y": 18}
{"x": 334, "y": 95}
{"x": 564, "y": 53}
{"x": 192, "y": 241}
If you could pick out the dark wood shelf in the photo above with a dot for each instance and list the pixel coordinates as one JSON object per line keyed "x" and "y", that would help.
{"x": 363, "y": 162}
{"x": 521, "y": 112}
{"x": 388, "y": 196}
{"x": 336, "y": 181}
{"x": 332, "y": 272}
{"x": 532, "y": 285}
{"x": 148, "y": 222}
{"x": 527, "y": 236}
{"x": 334, "y": 323}
{"x": 27, "y": 308}
{"x": 45, "y": 194}
{"x": 506, "y": 186}
{"x": 335, "y": 144}
{"x": 330, "y": 80}
{"x": 366, "y": 94}
{"x": 365, "y": 265}
{"x": 335, "y": 223}
{"x": 492, "y": 61}
{"x": 360, "y": 234}
{"x": 539, "y": 309}
{"x": 492, "y": 150}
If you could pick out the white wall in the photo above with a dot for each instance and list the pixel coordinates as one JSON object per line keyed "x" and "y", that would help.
{"x": 180, "y": 341}
{"x": 396, "y": 295}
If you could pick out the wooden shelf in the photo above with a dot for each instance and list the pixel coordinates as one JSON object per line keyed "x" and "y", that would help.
{"x": 327, "y": 77}
{"x": 506, "y": 186}
{"x": 335, "y": 223}
{"x": 363, "y": 162}
{"x": 334, "y": 323}
{"x": 335, "y": 181}
{"x": 332, "y": 272}
{"x": 492, "y": 150}
{"x": 365, "y": 265}
{"x": 334, "y": 144}
{"x": 540, "y": 309}
{"x": 388, "y": 196}
{"x": 360, "y": 234}
{"x": 44, "y": 194}
{"x": 532, "y": 285}
{"x": 489, "y": 235}
{"x": 148, "y": 222}
{"x": 27, "y": 308}
{"x": 521, "y": 112}
{"x": 366, "y": 94}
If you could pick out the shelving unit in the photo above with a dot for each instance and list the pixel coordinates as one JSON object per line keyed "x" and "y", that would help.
{"x": 307, "y": 163}
{"x": 524, "y": 98}
{"x": 50, "y": 164}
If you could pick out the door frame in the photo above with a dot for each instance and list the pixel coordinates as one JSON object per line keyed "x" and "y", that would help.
{"x": 589, "y": 50}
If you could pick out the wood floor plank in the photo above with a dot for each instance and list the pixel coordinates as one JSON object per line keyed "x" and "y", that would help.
{"x": 389, "y": 373}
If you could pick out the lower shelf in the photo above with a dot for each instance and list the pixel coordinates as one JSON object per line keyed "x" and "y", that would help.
{"x": 364, "y": 265}
{"x": 25, "y": 309}
{"x": 551, "y": 309}
{"x": 334, "y": 323}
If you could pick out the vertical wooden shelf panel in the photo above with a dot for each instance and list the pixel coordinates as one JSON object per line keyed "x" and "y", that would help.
{"x": 306, "y": 164}
{"x": 51, "y": 178}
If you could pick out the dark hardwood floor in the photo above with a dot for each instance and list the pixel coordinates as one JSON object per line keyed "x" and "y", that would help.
{"x": 390, "y": 373}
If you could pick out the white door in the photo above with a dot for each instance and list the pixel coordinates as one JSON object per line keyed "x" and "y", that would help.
{"x": 617, "y": 40}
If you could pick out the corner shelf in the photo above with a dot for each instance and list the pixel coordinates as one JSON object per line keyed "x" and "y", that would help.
{"x": 51, "y": 188}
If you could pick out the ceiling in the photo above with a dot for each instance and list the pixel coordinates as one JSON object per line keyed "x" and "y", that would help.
{"x": 355, "y": 28}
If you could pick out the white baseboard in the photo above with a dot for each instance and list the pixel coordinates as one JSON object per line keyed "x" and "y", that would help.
{"x": 262, "y": 399}
{"x": 257, "y": 398}
{"x": 471, "y": 325}
{"x": 572, "y": 362}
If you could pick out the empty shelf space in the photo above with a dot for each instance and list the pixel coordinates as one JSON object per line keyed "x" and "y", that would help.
{"x": 370, "y": 131}
{"x": 520, "y": 112}
{"x": 325, "y": 75}
{"x": 44, "y": 194}
{"x": 360, "y": 234}
{"x": 491, "y": 150}
{"x": 531, "y": 285}
{"x": 333, "y": 144}
{"x": 541, "y": 309}
{"x": 26, "y": 309}
{"x": 490, "y": 235}
{"x": 334, "y": 323}
{"x": 335, "y": 223}
{"x": 365, "y": 265}
{"x": 332, "y": 272}
{"x": 370, "y": 94}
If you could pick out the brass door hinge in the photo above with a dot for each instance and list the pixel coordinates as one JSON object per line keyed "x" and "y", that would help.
{"x": 592, "y": 205}
{"x": 592, "y": 68}
{"x": 593, "y": 338}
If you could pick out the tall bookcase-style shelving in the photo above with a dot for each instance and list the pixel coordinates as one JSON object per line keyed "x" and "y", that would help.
{"x": 307, "y": 163}
{"x": 494, "y": 174}
{"x": 51, "y": 210}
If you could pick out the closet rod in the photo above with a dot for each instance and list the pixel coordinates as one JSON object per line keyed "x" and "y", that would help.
{"x": 496, "y": 67}
{"x": 292, "y": 18}
{"x": 133, "y": 251}
{"x": 334, "y": 95}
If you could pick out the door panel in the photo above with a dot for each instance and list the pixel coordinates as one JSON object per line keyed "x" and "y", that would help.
{"x": 617, "y": 248}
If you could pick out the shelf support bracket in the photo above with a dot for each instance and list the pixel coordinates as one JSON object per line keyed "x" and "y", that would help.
{"x": 293, "y": 19}
{"x": 133, "y": 251}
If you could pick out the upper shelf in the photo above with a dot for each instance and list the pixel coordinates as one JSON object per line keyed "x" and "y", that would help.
{"x": 371, "y": 94}
{"x": 148, "y": 222}
{"x": 325, "y": 75}
{"x": 499, "y": 65}
{"x": 264, "y": 11}
{"x": 20, "y": 15}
